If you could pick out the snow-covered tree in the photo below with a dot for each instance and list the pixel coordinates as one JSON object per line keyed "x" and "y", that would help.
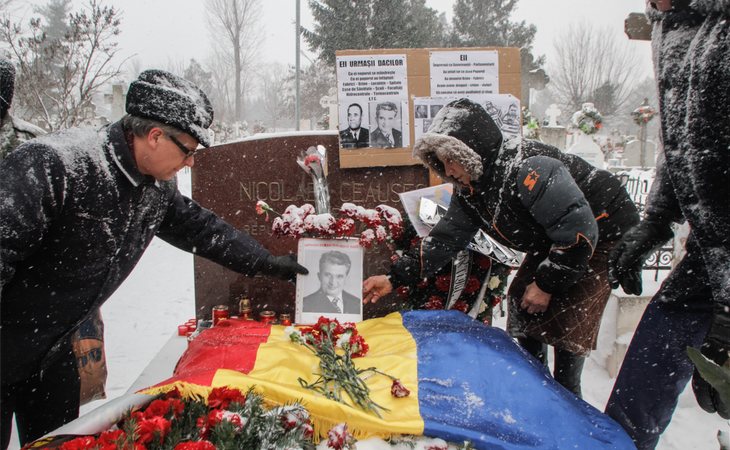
{"x": 349, "y": 24}
{"x": 58, "y": 76}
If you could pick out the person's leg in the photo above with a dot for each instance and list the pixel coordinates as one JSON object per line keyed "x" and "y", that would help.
{"x": 535, "y": 348}
{"x": 568, "y": 369}
{"x": 656, "y": 368}
{"x": 51, "y": 399}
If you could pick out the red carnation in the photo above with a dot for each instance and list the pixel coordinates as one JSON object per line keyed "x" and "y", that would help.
{"x": 358, "y": 346}
{"x": 197, "y": 445}
{"x": 434, "y": 302}
{"x": 402, "y": 291}
{"x": 496, "y": 300}
{"x": 162, "y": 408}
{"x": 397, "y": 389}
{"x": 222, "y": 397}
{"x": 460, "y": 305}
{"x": 153, "y": 427}
{"x": 311, "y": 159}
{"x": 338, "y": 438}
{"x": 80, "y": 443}
{"x": 472, "y": 285}
{"x": 443, "y": 282}
{"x": 110, "y": 438}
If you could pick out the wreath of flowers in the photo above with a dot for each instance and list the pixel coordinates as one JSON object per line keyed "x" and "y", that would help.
{"x": 382, "y": 224}
{"x": 336, "y": 346}
{"x": 229, "y": 419}
{"x": 588, "y": 119}
{"x": 643, "y": 114}
{"x": 432, "y": 292}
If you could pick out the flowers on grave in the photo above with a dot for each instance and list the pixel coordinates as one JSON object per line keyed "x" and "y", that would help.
{"x": 643, "y": 114}
{"x": 339, "y": 438}
{"x": 484, "y": 289}
{"x": 380, "y": 225}
{"x": 588, "y": 119}
{"x": 336, "y": 345}
{"x": 230, "y": 419}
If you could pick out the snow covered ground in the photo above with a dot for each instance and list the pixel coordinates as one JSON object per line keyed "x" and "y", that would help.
{"x": 159, "y": 295}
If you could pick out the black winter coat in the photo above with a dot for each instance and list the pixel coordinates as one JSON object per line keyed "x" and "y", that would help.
{"x": 529, "y": 196}
{"x": 75, "y": 217}
{"x": 691, "y": 48}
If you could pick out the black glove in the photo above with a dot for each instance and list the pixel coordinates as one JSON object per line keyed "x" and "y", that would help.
{"x": 715, "y": 348}
{"x": 285, "y": 267}
{"x": 627, "y": 258}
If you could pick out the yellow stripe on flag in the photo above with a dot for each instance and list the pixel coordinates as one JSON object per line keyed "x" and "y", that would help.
{"x": 280, "y": 363}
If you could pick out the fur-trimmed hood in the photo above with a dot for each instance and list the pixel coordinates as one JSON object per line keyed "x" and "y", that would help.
{"x": 464, "y": 132}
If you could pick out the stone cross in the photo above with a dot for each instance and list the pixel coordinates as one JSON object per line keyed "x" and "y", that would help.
{"x": 330, "y": 102}
{"x": 552, "y": 113}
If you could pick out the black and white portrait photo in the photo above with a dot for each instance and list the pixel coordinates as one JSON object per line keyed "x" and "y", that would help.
{"x": 333, "y": 287}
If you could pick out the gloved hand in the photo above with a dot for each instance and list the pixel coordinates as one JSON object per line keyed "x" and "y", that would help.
{"x": 285, "y": 267}
{"x": 716, "y": 348}
{"x": 627, "y": 258}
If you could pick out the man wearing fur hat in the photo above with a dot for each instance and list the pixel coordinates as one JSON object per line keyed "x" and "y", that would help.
{"x": 78, "y": 209}
{"x": 562, "y": 212}
{"x": 691, "y": 47}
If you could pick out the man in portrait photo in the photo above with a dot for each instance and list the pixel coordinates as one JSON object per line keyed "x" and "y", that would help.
{"x": 354, "y": 136}
{"x": 334, "y": 267}
{"x": 386, "y": 135}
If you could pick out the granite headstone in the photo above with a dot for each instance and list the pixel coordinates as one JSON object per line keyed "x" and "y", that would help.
{"x": 230, "y": 179}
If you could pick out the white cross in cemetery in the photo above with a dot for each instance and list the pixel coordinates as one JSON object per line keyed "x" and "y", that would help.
{"x": 552, "y": 113}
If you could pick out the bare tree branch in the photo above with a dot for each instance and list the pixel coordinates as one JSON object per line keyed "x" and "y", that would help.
{"x": 592, "y": 66}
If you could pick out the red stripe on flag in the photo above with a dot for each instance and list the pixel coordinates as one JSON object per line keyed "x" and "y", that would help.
{"x": 232, "y": 344}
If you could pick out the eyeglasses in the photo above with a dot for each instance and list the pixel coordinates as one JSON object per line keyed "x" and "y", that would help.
{"x": 186, "y": 151}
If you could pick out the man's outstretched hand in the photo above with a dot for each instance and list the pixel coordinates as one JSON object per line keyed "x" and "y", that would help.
{"x": 285, "y": 267}
{"x": 375, "y": 287}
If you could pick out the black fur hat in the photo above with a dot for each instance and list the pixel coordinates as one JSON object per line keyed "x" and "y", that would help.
{"x": 174, "y": 101}
{"x": 7, "y": 85}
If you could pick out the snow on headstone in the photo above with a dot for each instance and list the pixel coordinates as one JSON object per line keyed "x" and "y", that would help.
{"x": 552, "y": 133}
{"x": 588, "y": 150}
{"x": 632, "y": 154}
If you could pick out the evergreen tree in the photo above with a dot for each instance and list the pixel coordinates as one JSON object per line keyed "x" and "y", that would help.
{"x": 486, "y": 23}
{"x": 55, "y": 14}
{"x": 349, "y": 24}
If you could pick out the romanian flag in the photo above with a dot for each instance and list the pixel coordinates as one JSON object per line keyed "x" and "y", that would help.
{"x": 468, "y": 382}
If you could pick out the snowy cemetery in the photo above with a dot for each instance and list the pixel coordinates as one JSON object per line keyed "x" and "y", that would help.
{"x": 188, "y": 353}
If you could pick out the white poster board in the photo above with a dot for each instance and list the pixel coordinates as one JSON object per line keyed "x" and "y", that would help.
{"x": 463, "y": 73}
{"x": 503, "y": 108}
{"x": 378, "y": 84}
{"x": 333, "y": 287}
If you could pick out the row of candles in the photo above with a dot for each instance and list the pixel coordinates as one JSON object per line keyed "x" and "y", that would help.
{"x": 221, "y": 312}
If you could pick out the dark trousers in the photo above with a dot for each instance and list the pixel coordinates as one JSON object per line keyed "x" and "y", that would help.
{"x": 567, "y": 367}
{"x": 42, "y": 402}
{"x": 656, "y": 368}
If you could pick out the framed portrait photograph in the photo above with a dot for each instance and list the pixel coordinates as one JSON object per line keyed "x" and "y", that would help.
{"x": 333, "y": 287}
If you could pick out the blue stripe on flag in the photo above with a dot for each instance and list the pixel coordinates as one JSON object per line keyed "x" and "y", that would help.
{"x": 475, "y": 383}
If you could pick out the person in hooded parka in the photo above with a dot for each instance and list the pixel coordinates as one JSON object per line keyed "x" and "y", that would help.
{"x": 77, "y": 209}
{"x": 565, "y": 214}
{"x": 691, "y": 48}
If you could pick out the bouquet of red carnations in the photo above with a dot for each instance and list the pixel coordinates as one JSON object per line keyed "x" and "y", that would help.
{"x": 336, "y": 345}
{"x": 382, "y": 224}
